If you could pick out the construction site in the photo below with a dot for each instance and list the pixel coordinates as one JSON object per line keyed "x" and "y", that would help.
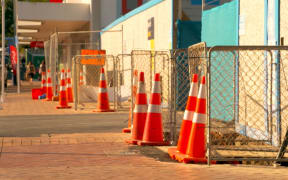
{"x": 191, "y": 81}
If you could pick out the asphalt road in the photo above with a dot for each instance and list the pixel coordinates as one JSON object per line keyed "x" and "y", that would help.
{"x": 35, "y": 125}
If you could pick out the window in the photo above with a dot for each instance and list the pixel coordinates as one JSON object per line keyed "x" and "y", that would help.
{"x": 129, "y": 5}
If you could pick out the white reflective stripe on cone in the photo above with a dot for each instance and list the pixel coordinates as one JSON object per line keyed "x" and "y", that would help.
{"x": 102, "y": 77}
{"x": 156, "y": 87}
{"x": 102, "y": 90}
{"x": 140, "y": 108}
{"x": 193, "y": 91}
{"x": 49, "y": 84}
{"x": 188, "y": 115}
{"x": 152, "y": 108}
{"x": 62, "y": 76}
{"x": 202, "y": 92}
{"x": 62, "y": 88}
{"x": 199, "y": 118}
{"x": 69, "y": 85}
{"x": 141, "y": 89}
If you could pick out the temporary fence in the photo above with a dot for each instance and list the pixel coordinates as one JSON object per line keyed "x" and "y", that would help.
{"x": 247, "y": 95}
{"x": 186, "y": 62}
{"x": 151, "y": 62}
{"x": 124, "y": 81}
{"x": 247, "y": 102}
{"x": 246, "y": 99}
{"x": 86, "y": 77}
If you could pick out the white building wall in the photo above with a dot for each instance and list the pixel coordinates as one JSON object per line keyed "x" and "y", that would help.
{"x": 251, "y": 29}
{"x": 284, "y": 20}
{"x": 135, "y": 37}
{"x": 135, "y": 31}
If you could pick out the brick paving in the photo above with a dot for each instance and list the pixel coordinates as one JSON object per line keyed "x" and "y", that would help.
{"x": 106, "y": 156}
{"x": 101, "y": 156}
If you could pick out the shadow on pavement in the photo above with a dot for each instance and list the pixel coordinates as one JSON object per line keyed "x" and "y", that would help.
{"x": 152, "y": 152}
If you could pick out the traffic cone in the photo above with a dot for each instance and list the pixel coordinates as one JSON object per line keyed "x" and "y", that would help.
{"x": 81, "y": 79}
{"x": 140, "y": 112}
{"x": 153, "y": 131}
{"x": 103, "y": 100}
{"x": 49, "y": 87}
{"x": 43, "y": 83}
{"x": 69, "y": 87}
{"x": 196, "y": 149}
{"x": 134, "y": 91}
{"x": 187, "y": 120}
{"x": 63, "y": 104}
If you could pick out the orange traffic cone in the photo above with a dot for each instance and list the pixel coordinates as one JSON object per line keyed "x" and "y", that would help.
{"x": 63, "y": 104}
{"x": 49, "y": 87}
{"x": 134, "y": 91}
{"x": 196, "y": 146}
{"x": 43, "y": 83}
{"x": 69, "y": 87}
{"x": 153, "y": 131}
{"x": 187, "y": 120}
{"x": 81, "y": 79}
{"x": 140, "y": 112}
{"x": 103, "y": 100}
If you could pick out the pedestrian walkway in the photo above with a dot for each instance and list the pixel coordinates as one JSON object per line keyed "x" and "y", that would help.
{"x": 105, "y": 156}
{"x": 97, "y": 155}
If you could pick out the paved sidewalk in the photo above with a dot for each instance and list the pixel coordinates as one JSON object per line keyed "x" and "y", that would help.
{"x": 106, "y": 156}
{"x": 22, "y": 104}
{"x": 91, "y": 156}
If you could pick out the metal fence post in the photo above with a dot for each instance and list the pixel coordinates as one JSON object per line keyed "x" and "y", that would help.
{"x": 74, "y": 59}
{"x": 114, "y": 84}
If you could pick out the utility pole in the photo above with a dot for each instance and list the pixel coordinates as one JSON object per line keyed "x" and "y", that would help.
{"x": 3, "y": 50}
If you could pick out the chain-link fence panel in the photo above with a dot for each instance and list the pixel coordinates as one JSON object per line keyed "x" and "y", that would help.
{"x": 243, "y": 98}
{"x": 142, "y": 61}
{"x": 86, "y": 78}
{"x": 151, "y": 62}
{"x": 186, "y": 63}
{"x": 124, "y": 81}
{"x": 281, "y": 108}
{"x": 47, "y": 54}
{"x": 52, "y": 64}
{"x": 163, "y": 65}
{"x": 180, "y": 84}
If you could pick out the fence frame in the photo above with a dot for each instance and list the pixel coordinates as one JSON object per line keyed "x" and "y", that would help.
{"x": 75, "y": 61}
{"x": 268, "y": 49}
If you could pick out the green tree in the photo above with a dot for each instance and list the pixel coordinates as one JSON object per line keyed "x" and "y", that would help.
{"x": 9, "y": 19}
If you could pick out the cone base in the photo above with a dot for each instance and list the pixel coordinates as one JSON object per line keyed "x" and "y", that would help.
{"x": 126, "y": 130}
{"x": 147, "y": 143}
{"x": 131, "y": 141}
{"x": 173, "y": 152}
{"x": 188, "y": 159}
{"x": 55, "y": 98}
{"x": 63, "y": 107}
{"x": 103, "y": 110}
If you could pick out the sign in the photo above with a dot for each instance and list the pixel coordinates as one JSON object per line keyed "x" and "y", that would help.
{"x": 13, "y": 58}
{"x": 38, "y": 44}
{"x": 151, "y": 28}
{"x": 56, "y": 1}
{"x": 93, "y": 57}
